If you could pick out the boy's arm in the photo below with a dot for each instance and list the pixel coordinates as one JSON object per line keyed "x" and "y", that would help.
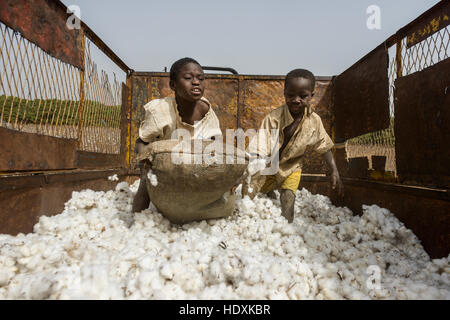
{"x": 335, "y": 178}
{"x": 151, "y": 128}
{"x": 324, "y": 146}
{"x": 149, "y": 131}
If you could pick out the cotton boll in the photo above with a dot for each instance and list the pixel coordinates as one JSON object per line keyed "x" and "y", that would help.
{"x": 278, "y": 295}
{"x": 238, "y": 190}
{"x": 25, "y": 251}
{"x": 5, "y": 276}
{"x": 147, "y": 262}
{"x": 148, "y": 282}
{"x": 298, "y": 290}
{"x": 166, "y": 271}
{"x": 113, "y": 178}
{"x": 179, "y": 273}
{"x": 247, "y": 205}
{"x": 357, "y": 295}
{"x": 40, "y": 288}
{"x": 123, "y": 187}
{"x": 215, "y": 273}
{"x": 193, "y": 284}
{"x": 123, "y": 268}
{"x": 152, "y": 178}
{"x": 174, "y": 292}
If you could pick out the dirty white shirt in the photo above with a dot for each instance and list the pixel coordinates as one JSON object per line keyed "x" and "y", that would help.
{"x": 309, "y": 133}
{"x": 162, "y": 119}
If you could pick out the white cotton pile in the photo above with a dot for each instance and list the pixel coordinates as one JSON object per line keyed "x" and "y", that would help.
{"x": 113, "y": 178}
{"x": 152, "y": 178}
{"x": 97, "y": 249}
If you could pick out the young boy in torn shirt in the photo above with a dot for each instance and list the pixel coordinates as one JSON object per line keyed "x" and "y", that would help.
{"x": 189, "y": 110}
{"x": 298, "y": 128}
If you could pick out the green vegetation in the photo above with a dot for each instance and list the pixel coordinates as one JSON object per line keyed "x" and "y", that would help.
{"x": 63, "y": 112}
{"x": 381, "y": 138}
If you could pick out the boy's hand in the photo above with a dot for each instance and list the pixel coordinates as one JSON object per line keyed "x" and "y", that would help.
{"x": 139, "y": 146}
{"x": 335, "y": 178}
{"x": 143, "y": 164}
{"x": 336, "y": 182}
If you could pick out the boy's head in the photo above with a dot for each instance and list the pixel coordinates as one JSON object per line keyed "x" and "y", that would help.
{"x": 298, "y": 90}
{"x": 187, "y": 79}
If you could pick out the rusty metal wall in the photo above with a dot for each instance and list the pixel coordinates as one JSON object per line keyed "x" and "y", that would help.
{"x": 429, "y": 25}
{"x": 425, "y": 41}
{"x": 238, "y": 100}
{"x": 361, "y": 102}
{"x": 258, "y": 99}
{"x": 422, "y": 129}
{"x": 223, "y": 96}
{"x": 26, "y": 151}
{"x": 48, "y": 32}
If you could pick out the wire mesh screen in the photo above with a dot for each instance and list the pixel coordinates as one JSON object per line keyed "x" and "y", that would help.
{"x": 424, "y": 54}
{"x": 38, "y": 93}
{"x": 101, "y": 107}
{"x": 43, "y": 95}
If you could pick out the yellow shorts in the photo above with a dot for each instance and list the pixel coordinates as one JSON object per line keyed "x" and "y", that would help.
{"x": 291, "y": 182}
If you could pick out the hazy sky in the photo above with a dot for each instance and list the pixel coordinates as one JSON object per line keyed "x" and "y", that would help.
{"x": 253, "y": 37}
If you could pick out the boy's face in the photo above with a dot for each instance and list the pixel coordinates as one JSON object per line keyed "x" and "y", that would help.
{"x": 298, "y": 93}
{"x": 190, "y": 82}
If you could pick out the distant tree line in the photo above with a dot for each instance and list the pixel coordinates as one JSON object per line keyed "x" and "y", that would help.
{"x": 384, "y": 137}
{"x": 63, "y": 112}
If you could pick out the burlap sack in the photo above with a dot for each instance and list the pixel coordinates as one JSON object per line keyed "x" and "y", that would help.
{"x": 192, "y": 190}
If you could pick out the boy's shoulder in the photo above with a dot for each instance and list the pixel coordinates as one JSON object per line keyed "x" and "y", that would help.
{"x": 315, "y": 117}
{"x": 277, "y": 112}
{"x": 159, "y": 105}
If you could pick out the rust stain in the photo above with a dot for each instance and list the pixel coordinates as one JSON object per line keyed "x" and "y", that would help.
{"x": 386, "y": 176}
{"x": 428, "y": 27}
{"x": 422, "y": 130}
{"x": 259, "y": 98}
{"x": 361, "y": 102}
{"x": 223, "y": 96}
{"x": 124, "y": 124}
{"x": 43, "y": 22}
{"x": 27, "y": 151}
